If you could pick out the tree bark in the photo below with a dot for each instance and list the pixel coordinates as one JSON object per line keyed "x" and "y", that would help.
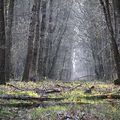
{"x": 48, "y": 40}
{"x": 9, "y": 38}
{"x": 30, "y": 44}
{"x": 2, "y": 44}
{"x": 114, "y": 46}
{"x": 36, "y": 44}
{"x": 42, "y": 39}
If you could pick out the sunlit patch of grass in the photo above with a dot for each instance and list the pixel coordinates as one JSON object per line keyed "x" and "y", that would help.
{"x": 29, "y": 85}
{"x": 78, "y": 96}
{"x": 104, "y": 85}
{"x": 23, "y": 93}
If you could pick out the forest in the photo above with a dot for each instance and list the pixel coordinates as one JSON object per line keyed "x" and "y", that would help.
{"x": 59, "y": 59}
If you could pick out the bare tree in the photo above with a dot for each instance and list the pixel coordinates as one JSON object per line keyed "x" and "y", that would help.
{"x": 30, "y": 43}
{"x": 9, "y": 21}
{"x": 106, "y": 8}
{"x": 34, "y": 66}
{"x": 2, "y": 44}
{"x": 42, "y": 39}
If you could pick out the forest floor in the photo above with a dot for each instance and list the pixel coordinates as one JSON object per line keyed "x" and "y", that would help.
{"x": 56, "y": 100}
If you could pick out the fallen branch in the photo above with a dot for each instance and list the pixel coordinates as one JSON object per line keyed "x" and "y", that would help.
{"x": 20, "y": 105}
{"x": 37, "y": 90}
{"x": 73, "y": 88}
{"x": 10, "y": 85}
{"x": 112, "y": 96}
{"x": 64, "y": 87}
{"x": 43, "y": 104}
{"x": 67, "y": 88}
{"x": 8, "y": 97}
{"x": 53, "y": 91}
{"x": 47, "y": 91}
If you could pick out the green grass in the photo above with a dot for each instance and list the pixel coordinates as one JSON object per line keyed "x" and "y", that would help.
{"x": 5, "y": 113}
{"x": 82, "y": 102}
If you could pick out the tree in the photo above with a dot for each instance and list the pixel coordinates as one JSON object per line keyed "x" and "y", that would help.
{"x": 2, "y": 44}
{"x": 106, "y": 8}
{"x": 29, "y": 57}
{"x": 34, "y": 66}
{"x": 9, "y": 21}
{"x": 42, "y": 41}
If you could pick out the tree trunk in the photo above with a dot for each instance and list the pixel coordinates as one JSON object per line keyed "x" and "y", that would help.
{"x": 2, "y": 44}
{"x": 36, "y": 44}
{"x": 42, "y": 39}
{"x": 9, "y": 38}
{"x": 114, "y": 46}
{"x": 30, "y": 44}
{"x": 48, "y": 40}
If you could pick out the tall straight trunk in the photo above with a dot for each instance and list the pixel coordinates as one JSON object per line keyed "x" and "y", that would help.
{"x": 36, "y": 44}
{"x": 42, "y": 39}
{"x": 114, "y": 46}
{"x": 51, "y": 29}
{"x": 2, "y": 44}
{"x": 9, "y": 38}
{"x": 30, "y": 44}
{"x": 48, "y": 40}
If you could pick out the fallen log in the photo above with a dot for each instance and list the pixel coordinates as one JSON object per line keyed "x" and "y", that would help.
{"x": 10, "y": 85}
{"x": 64, "y": 87}
{"x": 39, "y": 104}
{"x": 75, "y": 87}
{"x": 106, "y": 96}
{"x": 69, "y": 88}
{"x": 37, "y": 90}
{"x": 9, "y": 97}
{"x": 19, "y": 105}
{"x": 47, "y": 91}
